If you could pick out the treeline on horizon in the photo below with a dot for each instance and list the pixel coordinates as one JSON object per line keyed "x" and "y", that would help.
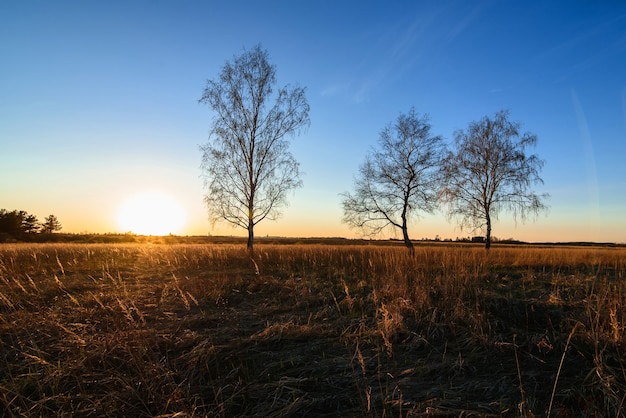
{"x": 23, "y": 226}
{"x": 40, "y": 236}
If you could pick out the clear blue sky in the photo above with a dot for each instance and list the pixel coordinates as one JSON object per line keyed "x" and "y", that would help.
{"x": 98, "y": 100}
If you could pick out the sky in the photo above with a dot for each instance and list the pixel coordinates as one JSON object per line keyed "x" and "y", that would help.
{"x": 99, "y": 103}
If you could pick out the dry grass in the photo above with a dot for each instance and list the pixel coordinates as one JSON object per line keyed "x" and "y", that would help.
{"x": 322, "y": 330}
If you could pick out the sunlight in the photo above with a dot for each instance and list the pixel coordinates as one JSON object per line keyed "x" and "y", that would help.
{"x": 151, "y": 213}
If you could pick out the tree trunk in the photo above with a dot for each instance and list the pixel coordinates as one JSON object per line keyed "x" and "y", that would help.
{"x": 405, "y": 230}
{"x": 250, "y": 245}
{"x": 407, "y": 240}
{"x": 488, "y": 237}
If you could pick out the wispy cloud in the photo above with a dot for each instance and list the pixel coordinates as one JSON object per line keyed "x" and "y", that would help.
{"x": 334, "y": 89}
{"x": 584, "y": 50}
{"x": 395, "y": 53}
{"x": 590, "y": 160}
{"x": 403, "y": 47}
{"x": 456, "y": 29}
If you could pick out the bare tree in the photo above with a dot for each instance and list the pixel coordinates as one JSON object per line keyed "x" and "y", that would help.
{"x": 247, "y": 166}
{"x": 490, "y": 172}
{"x": 397, "y": 179}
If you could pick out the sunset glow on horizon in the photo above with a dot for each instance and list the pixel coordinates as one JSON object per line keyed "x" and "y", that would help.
{"x": 151, "y": 213}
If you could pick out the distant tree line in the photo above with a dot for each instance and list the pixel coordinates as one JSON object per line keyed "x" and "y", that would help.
{"x": 19, "y": 225}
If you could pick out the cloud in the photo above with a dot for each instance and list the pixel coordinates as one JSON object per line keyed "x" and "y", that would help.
{"x": 393, "y": 54}
{"x": 334, "y": 89}
{"x": 457, "y": 28}
{"x": 588, "y": 49}
{"x": 404, "y": 46}
{"x": 589, "y": 154}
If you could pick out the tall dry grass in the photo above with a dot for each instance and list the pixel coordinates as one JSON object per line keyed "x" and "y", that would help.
{"x": 323, "y": 330}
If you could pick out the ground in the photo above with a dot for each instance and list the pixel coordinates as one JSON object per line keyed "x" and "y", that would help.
{"x": 311, "y": 329}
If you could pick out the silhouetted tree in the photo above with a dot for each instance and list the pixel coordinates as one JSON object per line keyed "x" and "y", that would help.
{"x": 397, "y": 179}
{"x": 247, "y": 166}
{"x": 18, "y": 223}
{"x": 489, "y": 171}
{"x": 51, "y": 225}
{"x": 30, "y": 223}
{"x": 10, "y": 222}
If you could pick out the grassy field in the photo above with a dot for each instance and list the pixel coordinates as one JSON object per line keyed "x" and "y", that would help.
{"x": 311, "y": 330}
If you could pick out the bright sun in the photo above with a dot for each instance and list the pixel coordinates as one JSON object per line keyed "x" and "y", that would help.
{"x": 151, "y": 213}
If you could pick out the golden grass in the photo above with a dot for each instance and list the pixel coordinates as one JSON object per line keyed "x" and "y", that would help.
{"x": 321, "y": 330}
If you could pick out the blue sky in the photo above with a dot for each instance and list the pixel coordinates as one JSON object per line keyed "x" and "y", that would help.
{"x": 99, "y": 101}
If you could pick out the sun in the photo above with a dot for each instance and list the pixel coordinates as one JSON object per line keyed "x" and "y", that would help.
{"x": 151, "y": 213}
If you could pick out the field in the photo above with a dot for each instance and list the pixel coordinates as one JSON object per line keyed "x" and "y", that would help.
{"x": 311, "y": 330}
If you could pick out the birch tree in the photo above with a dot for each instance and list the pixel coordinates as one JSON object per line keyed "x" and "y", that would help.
{"x": 247, "y": 166}
{"x": 490, "y": 171}
{"x": 398, "y": 178}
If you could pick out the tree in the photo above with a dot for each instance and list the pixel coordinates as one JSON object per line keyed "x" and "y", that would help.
{"x": 51, "y": 225}
{"x": 11, "y": 222}
{"x": 490, "y": 172}
{"x": 30, "y": 223}
{"x": 397, "y": 179}
{"x": 18, "y": 223}
{"x": 247, "y": 166}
